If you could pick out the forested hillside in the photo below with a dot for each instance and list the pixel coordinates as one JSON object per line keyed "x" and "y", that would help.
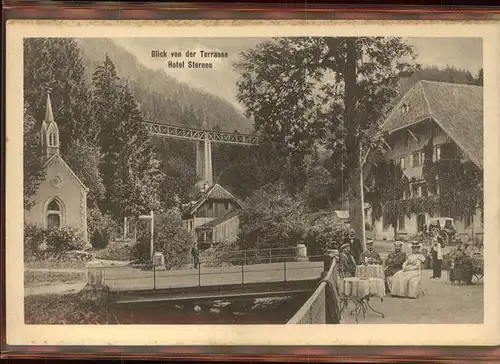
{"x": 161, "y": 97}
{"x": 448, "y": 74}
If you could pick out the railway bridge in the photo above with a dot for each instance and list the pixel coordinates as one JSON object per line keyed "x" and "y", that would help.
{"x": 203, "y": 139}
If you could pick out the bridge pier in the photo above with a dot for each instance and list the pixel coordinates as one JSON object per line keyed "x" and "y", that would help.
{"x": 204, "y": 161}
{"x": 96, "y": 290}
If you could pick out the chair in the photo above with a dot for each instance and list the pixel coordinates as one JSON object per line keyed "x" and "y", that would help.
{"x": 478, "y": 267}
{"x": 344, "y": 300}
{"x": 421, "y": 290}
{"x": 389, "y": 282}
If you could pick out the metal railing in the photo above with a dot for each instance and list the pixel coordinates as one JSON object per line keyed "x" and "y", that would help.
{"x": 315, "y": 309}
{"x": 240, "y": 270}
{"x": 254, "y": 256}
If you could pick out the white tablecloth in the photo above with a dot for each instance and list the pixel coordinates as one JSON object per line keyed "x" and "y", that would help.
{"x": 370, "y": 271}
{"x": 360, "y": 288}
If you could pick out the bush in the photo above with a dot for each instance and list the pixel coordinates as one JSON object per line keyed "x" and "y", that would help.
{"x": 171, "y": 238}
{"x": 33, "y": 241}
{"x": 220, "y": 256}
{"x": 40, "y": 241}
{"x": 100, "y": 238}
{"x": 323, "y": 235}
{"x": 101, "y": 228}
{"x": 123, "y": 253}
{"x": 64, "y": 309}
{"x": 272, "y": 219}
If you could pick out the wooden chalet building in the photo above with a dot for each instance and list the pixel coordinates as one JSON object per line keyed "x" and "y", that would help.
{"x": 443, "y": 113}
{"x": 214, "y": 216}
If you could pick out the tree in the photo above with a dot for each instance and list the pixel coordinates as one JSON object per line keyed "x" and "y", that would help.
{"x": 177, "y": 159}
{"x": 84, "y": 158}
{"x": 329, "y": 90}
{"x": 453, "y": 177}
{"x": 245, "y": 169}
{"x": 277, "y": 88}
{"x": 448, "y": 74}
{"x": 272, "y": 219}
{"x": 131, "y": 173}
{"x": 56, "y": 63}
{"x": 34, "y": 172}
{"x": 386, "y": 193}
{"x": 170, "y": 238}
{"x": 319, "y": 189}
{"x": 179, "y": 182}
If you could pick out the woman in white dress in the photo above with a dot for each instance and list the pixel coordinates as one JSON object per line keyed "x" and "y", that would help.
{"x": 406, "y": 282}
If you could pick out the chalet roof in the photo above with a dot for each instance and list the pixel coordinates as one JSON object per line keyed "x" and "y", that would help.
{"x": 216, "y": 192}
{"x": 213, "y": 223}
{"x": 456, "y": 108}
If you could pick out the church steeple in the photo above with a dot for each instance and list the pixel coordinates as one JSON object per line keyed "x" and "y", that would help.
{"x": 49, "y": 132}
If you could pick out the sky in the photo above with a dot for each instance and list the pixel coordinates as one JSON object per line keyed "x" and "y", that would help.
{"x": 463, "y": 53}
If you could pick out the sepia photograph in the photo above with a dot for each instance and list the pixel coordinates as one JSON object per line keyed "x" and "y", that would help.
{"x": 216, "y": 180}
{"x": 267, "y": 179}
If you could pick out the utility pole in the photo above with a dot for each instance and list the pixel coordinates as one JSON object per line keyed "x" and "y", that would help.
{"x": 151, "y": 218}
{"x": 353, "y": 144}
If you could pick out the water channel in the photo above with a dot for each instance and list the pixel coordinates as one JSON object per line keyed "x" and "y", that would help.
{"x": 276, "y": 310}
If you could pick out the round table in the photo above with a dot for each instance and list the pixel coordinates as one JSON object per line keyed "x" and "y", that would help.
{"x": 359, "y": 290}
{"x": 370, "y": 271}
{"x": 358, "y": 287}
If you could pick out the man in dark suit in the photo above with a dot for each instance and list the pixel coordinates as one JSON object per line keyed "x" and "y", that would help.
{"x": 355, "y": 244}
{"x": 347, "y": 263}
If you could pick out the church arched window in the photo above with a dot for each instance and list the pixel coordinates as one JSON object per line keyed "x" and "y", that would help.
{"x": 52, "y": 139}
{"x": 54, "y": 214}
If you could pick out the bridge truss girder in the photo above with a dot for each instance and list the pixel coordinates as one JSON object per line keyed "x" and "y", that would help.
{"x": 200, "y": 135}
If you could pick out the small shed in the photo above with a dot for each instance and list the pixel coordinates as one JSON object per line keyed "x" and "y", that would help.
{"x": 341, "y": 217}
{"x": 337, "y": 217}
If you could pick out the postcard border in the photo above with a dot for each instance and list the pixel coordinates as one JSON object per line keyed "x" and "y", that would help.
{"x": 202, "y": 351}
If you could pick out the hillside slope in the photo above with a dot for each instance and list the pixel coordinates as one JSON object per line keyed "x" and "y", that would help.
{"x": 161, "y": 97}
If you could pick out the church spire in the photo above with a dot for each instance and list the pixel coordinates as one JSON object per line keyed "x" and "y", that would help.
{"x": 49, "y": 132}
{"x": 49, "y": 116}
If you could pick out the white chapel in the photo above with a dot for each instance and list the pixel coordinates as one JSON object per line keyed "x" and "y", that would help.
{"x": 61, "y": 198}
